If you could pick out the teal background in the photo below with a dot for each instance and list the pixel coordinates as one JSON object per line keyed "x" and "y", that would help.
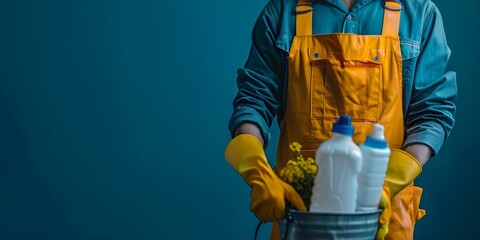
{"x": 113, "y": 121}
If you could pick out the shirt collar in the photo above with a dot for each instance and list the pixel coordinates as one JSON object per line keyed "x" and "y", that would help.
{"x": 358, "y": 4}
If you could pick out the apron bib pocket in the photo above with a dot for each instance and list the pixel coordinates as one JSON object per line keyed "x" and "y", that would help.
{"x": 349, "y": 87}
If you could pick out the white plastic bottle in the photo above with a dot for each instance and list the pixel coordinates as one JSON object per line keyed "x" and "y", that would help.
{"x": 376, "y": 154}
{"x": 339, "y": 162}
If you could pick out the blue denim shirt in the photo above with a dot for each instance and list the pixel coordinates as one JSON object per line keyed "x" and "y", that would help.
{"x": 428, "y": 90}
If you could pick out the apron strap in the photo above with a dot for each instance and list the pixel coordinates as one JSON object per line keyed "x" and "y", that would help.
{"x": 304, "y": 11}
{"x": 391, "y": 17}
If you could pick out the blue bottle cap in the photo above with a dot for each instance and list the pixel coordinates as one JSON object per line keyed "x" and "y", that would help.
{"x": 375, "y": 143}
{"x": 376, "y": 138}
{"x": 343, "y": 126}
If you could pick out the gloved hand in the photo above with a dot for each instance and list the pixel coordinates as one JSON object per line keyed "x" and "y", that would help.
{"x": 245, "y": 154}
{"x": 402, "y": 169}
{"x": 386, "y": 214}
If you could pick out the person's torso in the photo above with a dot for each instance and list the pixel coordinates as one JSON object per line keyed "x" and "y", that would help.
{"x": 342, "y": 74}
{"x": 364, "y": 18}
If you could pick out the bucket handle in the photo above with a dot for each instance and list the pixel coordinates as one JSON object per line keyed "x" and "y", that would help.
{"x": 290, "y": 218}
{"x": 256, "y": 230}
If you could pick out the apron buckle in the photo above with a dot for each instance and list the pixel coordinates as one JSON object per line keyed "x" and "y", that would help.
{"x": 304, "y": 8}
{"x": 393, "y": 5}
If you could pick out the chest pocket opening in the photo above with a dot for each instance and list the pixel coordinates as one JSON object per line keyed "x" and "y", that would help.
{"x": 350, "y": 87}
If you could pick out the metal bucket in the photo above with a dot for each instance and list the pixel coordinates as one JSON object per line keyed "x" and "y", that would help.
{"x": 313, "y": 226}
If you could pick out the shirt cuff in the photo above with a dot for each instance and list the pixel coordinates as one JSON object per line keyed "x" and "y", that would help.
{"x": 431, "y": 134}
{"x": 250, "y": 116}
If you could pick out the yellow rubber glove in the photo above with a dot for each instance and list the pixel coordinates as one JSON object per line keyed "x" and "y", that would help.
{"x": 386, "y": 214}
{"x": 245, "y": 154}
{"x": 402, "y": 169}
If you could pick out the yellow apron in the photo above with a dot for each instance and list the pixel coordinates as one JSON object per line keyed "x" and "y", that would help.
{"x": 355, "y": 75}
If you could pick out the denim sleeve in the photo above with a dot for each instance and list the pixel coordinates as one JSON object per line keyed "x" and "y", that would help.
{"x": 430, "y": 114}
{"x": 259, "y": 81}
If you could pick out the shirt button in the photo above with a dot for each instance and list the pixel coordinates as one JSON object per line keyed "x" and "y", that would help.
{"x": 349, "y": 17}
